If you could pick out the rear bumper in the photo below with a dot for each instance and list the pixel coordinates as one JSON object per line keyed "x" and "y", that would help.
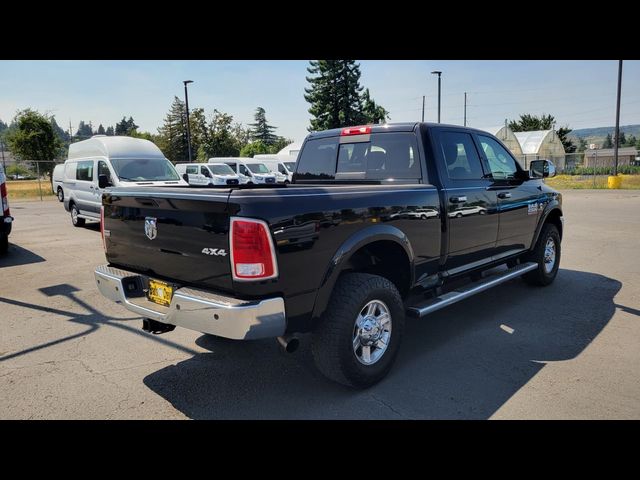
{"x": 5, "y": 225}
{"x": 198, "y": 310}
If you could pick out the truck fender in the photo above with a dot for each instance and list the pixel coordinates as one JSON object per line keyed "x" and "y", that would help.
{"x": 552, "y": 206}
{"x": 342, "y": 255}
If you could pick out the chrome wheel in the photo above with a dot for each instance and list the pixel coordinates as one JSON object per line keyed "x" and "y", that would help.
{"x": 549, "y": 255}
{"x": 60, "y": 195}
{"x": 372, "y": 332}
{"x": 74, "y": 215}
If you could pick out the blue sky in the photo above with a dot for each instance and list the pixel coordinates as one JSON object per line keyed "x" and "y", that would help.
{"x": 578, "y": 93}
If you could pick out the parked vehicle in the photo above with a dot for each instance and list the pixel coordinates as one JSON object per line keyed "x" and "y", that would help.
{"x": 57, "y": 181}
{"x": 208, "y": 174}
{"x": 464, "y": 211}
{"x": 325, "y": 254}
{"x": 248, "y": 170}
{"x": 121, "y": 161}
{"x": 6, "y": 220}
{"x": 282, "y": 166}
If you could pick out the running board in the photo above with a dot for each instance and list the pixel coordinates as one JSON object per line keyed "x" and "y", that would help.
{"x": 467, "y": 291}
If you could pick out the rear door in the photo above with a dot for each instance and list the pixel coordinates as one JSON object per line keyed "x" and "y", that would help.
{"x": 471, "y": 207}
{"x": 518, "y": 200}
{"x": 84, "y": 187}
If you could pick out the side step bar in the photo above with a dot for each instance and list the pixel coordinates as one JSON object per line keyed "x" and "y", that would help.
{"x": 467, "y": 291}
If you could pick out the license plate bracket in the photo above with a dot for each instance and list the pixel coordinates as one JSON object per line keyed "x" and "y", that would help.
{"x": 160, "y": 292}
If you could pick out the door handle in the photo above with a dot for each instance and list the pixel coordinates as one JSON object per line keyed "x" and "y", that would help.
{"x": 458, "y": 199}
{"x": 91, "y": 187}
{"x": 504, "y": 195}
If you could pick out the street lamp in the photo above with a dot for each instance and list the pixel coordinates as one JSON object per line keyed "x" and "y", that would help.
{"x": 436, "y": 72}
{"x": 186, "y": 101}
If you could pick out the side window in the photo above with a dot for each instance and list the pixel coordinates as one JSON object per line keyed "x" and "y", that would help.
{"x": 103, "y": 169}
{"x": 70, "y": 170}
{"x": 460, "y": 156}
{"x": 501, "y": 164}
{"x": 281, "y": 169}
{"x": 318, "y": 159}
{"x": 205, "y": 171}
{"x": 234, "y": 167}
{"x": 192, "y": 169}
{"x": 84, "y": 170}
{"x": 245, "y": 171}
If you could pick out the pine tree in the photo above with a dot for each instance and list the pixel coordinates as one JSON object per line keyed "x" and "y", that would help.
{"x": 608, "y": 142}
{"x": 84, "y": 131}
{"x": 261, "y": 130}
{"x": 110, "y": 132}
{"x": 101, "y": 130}
{"x": 173, "y": 133}
{"x": 623, "y": 139}
{"x": 373, "y": 112}
{"x": 124, "y": 126}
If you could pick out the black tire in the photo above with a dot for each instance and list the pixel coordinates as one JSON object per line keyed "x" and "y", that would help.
{"x": 332, "y": 339}
{"x": 459, "y": 215}
{"x": 75, "y": 220}
{"x": 60, "y": 194}
{"x": 540, "y": 276}
{"x": 4, "y": 243}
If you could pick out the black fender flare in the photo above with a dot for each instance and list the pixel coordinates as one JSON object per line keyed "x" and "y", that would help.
{"x": 552, "y": 206}
{"x": 355, "y": 242}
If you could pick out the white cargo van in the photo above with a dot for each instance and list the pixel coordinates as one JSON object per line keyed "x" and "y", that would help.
{"x": 57, "y": 180}
{"x": 282, "y": 165}
{"x": 125, "y": 161}
{"x": 208, "y": 174}
{"x": 249, "y": 170}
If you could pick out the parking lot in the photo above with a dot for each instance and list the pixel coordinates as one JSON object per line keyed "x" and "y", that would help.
{"x": 567, "y": 351}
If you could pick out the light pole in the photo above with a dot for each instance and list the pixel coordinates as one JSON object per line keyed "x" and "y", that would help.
{"x": 186, "y": 101}
{"x": 615, "y": 145}
{"x": 436, "y": 72}
{"x": 465, "y": 109}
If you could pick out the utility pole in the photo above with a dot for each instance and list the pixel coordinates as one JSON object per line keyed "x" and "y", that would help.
{"x": 615, "y": 145}
{"x": 70, "y": 131}
{"x": 423, "y": 108}
{"x": 436, "y": 72}
{"x": 186, "y": 101}
{"x": 465, "y": 109}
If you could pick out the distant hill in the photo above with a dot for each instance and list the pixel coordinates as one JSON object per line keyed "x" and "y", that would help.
{"x": 598, "y": 134}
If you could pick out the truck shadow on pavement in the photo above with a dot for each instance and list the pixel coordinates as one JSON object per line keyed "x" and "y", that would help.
{"x": 19, "y": 256}
{"x": 462, "y": 362}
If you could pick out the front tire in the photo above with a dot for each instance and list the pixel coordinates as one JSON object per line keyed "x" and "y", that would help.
{"x": 60, "y": 194}
{"x": 359, "y": 335}
{"x": 547, "y": 255}
{"x": 75, "y": 219}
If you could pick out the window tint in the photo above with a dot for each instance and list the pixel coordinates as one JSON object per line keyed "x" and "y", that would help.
{"x": 258, "y": 168}
{"x": 244, "y": 171}
{"x": 84, "y": 170}
{"x": 144, "y": 169}
{"x": 460, "y": 156}
{"x": 205, "y": 172}
{"x": 501, "y": 164}
{"x": 281, "y": 169}
{"x": 291, "y": 166}
{"x": 192, "y": 169}
{"x": 318, "y": 159}
{"x": 103, "y": 169}
{"x": 221, "y": 169}
{"x": 386, "y": 155}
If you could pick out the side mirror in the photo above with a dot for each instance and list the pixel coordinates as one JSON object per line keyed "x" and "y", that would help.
{"x": 542, "y": 169}
{"x": 103, "y": 181}
{"x": 185, "y": 177}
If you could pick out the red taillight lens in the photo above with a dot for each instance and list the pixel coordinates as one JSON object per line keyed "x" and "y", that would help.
{"x": 252, "y": 252}
{"x": 364, "y": 130}
{"x": 5, "y": 201}
{"x": 104, "y": 244}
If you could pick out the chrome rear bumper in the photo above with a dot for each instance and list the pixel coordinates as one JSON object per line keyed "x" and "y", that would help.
{"x": 199, "y": 310}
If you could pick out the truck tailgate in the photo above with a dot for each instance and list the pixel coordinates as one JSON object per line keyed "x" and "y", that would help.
{"x": 176, "y": 234}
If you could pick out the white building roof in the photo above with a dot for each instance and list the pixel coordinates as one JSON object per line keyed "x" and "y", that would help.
{"x": 292, "y": 149}
{"x": 114, "y": 147}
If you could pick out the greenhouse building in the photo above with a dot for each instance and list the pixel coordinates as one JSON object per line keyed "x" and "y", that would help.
{"x": 541, "y": 145}
{"x": 506, "y": 135}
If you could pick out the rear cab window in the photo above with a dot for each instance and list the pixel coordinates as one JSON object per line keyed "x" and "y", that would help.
{"x": 378, "y": 156}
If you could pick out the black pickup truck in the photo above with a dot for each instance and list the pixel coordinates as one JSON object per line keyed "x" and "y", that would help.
{"x": 380, "y": 222}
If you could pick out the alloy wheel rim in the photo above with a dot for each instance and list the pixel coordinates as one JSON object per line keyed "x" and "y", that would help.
{"x": 549, "y": 255}
{"x": 372, "y": 332}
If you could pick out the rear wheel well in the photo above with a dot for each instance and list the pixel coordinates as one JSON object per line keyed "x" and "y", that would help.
{"x": 384, "y": 258}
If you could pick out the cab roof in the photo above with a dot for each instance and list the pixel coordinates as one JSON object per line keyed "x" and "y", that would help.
{"x": 388, "y": 127}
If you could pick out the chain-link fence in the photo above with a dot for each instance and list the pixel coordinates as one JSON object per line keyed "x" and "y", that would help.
{"x": 31, "y": 178}
{"x": 587, "y": 163}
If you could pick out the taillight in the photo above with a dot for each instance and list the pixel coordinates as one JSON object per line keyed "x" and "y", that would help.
{"x": 104, "y": 244}
{"x": 252, "y": 254}
{"x": 5, "y": 201}
{"x": 364, "y": 130}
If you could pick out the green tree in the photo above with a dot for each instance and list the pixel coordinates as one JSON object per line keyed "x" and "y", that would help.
{"x": 110, "y": 132}
{"x": 608, "y": 142}
{"x": 638, "y": 145}
{"x": 280, "y": 144}
{"x": 220, "y": 141}
{"x": 101, "y": 130}
{"x": 253, "y": 148}
{"x": 34, "y": 138}
{"x": 373, "y": 113}
{"x": 125, "y": 126}
{"x": 622, "y": 140}
{"x": 582, "y": 145}
{"x": 261, "y": 130}
{"x": 173, "y": 133}
{"x": 569, "y": 146}
{"x": 16, "y": 169}
{"x": 84, "y": 131}
{"x": 529, "y": 123}
{"x": 3, "y": 127}
{"x": 631, "y": 141}
{"x": 334, "y": 94}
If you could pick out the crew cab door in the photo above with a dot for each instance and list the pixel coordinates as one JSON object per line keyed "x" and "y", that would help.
{"x": 518, "y": 199}
{"x": 470, "y": 204}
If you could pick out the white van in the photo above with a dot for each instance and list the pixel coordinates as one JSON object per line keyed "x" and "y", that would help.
{"x": 208, "y": 174}
{"x": 249, "y": 170}
{"x": 282, "y": 165}
{"x": 125, "y": 161}
{"x": 57, "y": 180}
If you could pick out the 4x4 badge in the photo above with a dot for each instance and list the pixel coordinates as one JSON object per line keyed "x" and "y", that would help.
{"x": 215, "y": 251}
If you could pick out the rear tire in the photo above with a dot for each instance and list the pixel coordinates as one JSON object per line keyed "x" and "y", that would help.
{"x": 344, "y": 334}
{"x": 75, "y": 219}
{"x": 4, "y": 243}
{"x": 60, "y": 194}
{"x": 547, "y": 255}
